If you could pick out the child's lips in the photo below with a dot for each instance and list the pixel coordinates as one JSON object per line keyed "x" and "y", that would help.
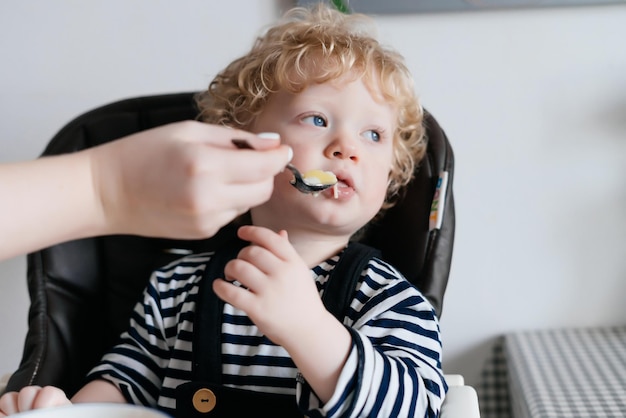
{"x": 343, "y": 189}
{"x": 344, "y": 180}
{"x": 342, "y": 184}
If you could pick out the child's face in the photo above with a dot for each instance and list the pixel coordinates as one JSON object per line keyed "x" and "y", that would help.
{"x": 336, "y": 127}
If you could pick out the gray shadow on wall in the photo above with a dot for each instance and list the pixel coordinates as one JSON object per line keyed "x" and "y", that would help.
{"x": 470, "y": 362}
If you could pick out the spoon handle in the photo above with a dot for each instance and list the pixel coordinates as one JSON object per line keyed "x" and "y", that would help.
{"x": 297, "y": 182}
{"x": 241, "y": 143}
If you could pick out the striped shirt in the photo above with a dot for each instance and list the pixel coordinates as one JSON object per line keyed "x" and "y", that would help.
{"x": 393, "y": 368}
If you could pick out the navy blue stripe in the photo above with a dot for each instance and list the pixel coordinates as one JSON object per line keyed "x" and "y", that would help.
{"x": 389, "y": 293}
{"x": 399, "y": 395}
{"x": 414, "y": 328}
{"x": 140, "y": 341}
{"x": 237, "y": 320}
{"x": 253, "y": 340}
{"x": 138, "y": 378}
{"x": 257, "y": 360}
{"x": 383, "y": 388}
{"x": 415, "y": 378}
{"x": 132, "y": 352}
{"x": 260, "y": 381}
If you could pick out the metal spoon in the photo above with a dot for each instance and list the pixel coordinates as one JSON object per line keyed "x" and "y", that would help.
{"x": 298, "y": 181}
{"x": 305, "y": 187}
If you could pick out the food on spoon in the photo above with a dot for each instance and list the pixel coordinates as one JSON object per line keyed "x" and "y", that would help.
{"x": 319, "y": 178}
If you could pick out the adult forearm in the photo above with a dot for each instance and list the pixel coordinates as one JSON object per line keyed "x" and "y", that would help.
{"x": 45, "y": 201}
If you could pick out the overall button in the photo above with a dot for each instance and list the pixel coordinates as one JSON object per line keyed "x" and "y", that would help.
{"x": 204, "y": 400}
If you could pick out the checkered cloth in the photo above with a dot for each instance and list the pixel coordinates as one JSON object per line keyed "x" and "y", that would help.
{"x": 493, "y": 387}
{"x": 557, "y": 373}
{"x": 568, "y": 373}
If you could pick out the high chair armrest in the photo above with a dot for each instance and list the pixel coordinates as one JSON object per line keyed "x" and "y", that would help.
{"x": 455, "y": 379}
{"x": 461, "y": 400}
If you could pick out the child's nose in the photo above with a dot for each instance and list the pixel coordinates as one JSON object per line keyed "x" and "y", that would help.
{"x": 343, "y": 147}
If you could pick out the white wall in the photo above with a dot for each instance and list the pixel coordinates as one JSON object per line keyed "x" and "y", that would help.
{"x": 534, "y": 103}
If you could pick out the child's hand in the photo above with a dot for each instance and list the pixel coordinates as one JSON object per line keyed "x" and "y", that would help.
{"x": 31, "y": 397}
{"x": 280, "y": 296}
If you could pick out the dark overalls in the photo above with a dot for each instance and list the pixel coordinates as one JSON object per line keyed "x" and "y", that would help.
{"x": 204, "y": 396}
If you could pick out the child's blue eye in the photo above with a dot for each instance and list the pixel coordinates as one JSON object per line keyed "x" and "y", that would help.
{"x": 372, "y": 135}
{"x": 315, "y": 120}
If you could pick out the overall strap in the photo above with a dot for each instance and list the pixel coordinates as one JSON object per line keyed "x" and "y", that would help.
{"x": 342, "y": 281}
{"x": 207, "y": 327}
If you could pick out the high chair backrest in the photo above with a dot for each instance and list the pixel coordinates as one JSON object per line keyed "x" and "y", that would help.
{"x": 82, "y": 292}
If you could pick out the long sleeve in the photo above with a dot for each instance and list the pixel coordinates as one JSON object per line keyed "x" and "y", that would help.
{"x": 394, "y": 367}
{"x": 154, "y": 356}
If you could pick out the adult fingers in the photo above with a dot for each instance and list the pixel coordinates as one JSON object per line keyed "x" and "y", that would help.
{"x": 210, "y": 198}
{"x": 232, "y": 165}
{"x": 222, "y": 136}
{"x": 260, "y": 141}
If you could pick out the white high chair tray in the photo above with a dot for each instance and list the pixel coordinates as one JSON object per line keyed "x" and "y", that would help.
{"x": 94, "y": 410}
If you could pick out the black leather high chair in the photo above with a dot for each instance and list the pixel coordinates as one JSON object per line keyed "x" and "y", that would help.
{"x": 82, "y": 291}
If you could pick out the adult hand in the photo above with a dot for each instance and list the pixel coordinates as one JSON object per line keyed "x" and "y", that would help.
{"x": 31, "y": 397}
{"x": 184, "y": 180}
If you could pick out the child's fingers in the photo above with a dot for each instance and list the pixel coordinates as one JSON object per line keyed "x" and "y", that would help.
{"x": 8, "y": 404}
{"x": 50, "y": 396}
{"x": 246, "y": 273}
{"x": 277, "y": 244}
{"x": 264, "y": 260}
{"x": 238, "y": 297}
{"x": 26, "y": 398}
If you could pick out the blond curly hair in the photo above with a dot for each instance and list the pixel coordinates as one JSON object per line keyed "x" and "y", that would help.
{"x": 318, "y": 45}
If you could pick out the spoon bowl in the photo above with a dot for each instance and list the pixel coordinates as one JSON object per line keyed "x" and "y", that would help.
{"x": 302, "y": 184}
